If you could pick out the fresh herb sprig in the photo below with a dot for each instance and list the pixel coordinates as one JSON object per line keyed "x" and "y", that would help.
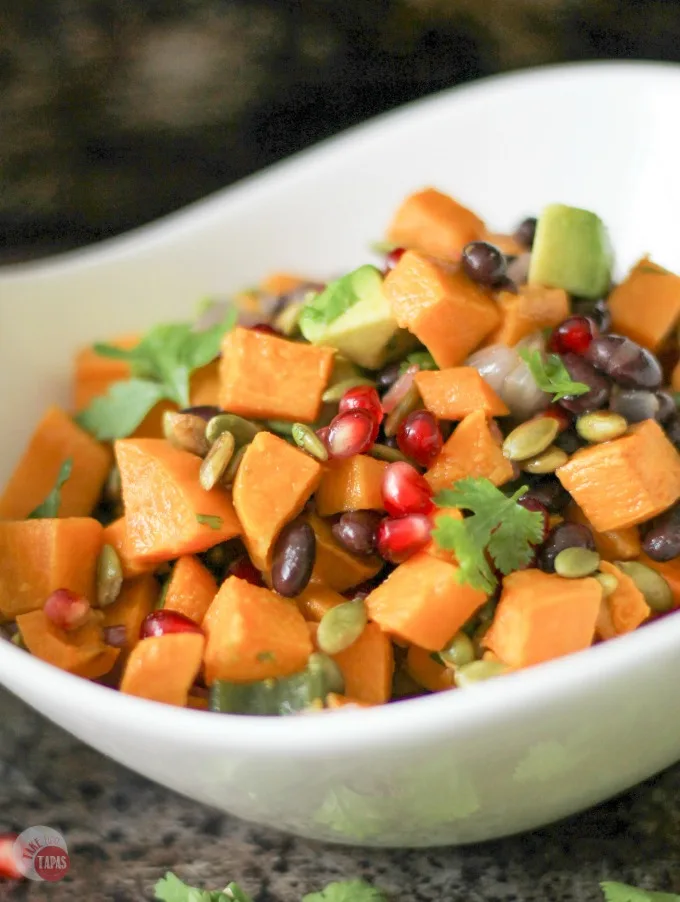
{"x": 172, "y": 889}
{"x": 551, "y": 375}
{"x": 50, "y": 506}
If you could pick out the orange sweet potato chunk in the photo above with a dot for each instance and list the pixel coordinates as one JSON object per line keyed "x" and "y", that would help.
{"x": 454, "y": 393}
{"x": 136, "y": 601}
{"x": 533, "y": 308}
{"x": 422, "y": 602}
{"x": 646, "y": 305}
{"x": 367, "y": 666}
{"x": 613, "y": 544}
{"x": 163, "y": 668}
{"x": 626, "y": 481}
{"x": 474, "y": 449}
{"x": 116, "y": 535}
{"x": 349, "y": 484}
{"x": 427, "y": 672}
{"x": 39, "y": 556}
{"x": 191, "y": 588}
{"x": 336, "y": 567}
{"x": 272, "y": 485}
{"x": 262, "y": 376}
{"x": 434, "y": 223}
{"x": 334, "y": 700}
{"x": 670, "y": 570}
{"x": 506, "y": 244}
{"x": 278, "y": 283}
{"x": 624, "y": 610}
{"x": 253, "y": 634}
{"x": 55, "y": 439}
{"x": 445, "y": 310}
{"x": 541, "y": 616}
{"x": 163, "y": 500}
{"x": 82, "y": 652}
{"x": 317, "y": 600}
{"x": 204, "y": 385}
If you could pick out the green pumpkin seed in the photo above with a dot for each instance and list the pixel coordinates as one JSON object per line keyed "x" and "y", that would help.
{"x": 244, "y": 431}
{"x": 309, "y": 441}
{"x": 608, "y": 582}
{"x": 185, "y": 431}
{"x": 653, "y": 586}
{"x": 477, "y": 672}
{"x": 531, "y": 438}
{"x": 229, "y": 474}
{"x": 478, "y": 636}
{"x": 280, "y": 427}
{"x": 216, "y": 460}
{"x": 335, "y": 392}
{"x": 18, "y": 640}
{"x": 410, "y": 402}
{"x": 109, "y": 576}
{"x": 459, "y": 651}
{"x": 323, "y": 665}
{"x": 547, "y": 462}
{"x": 288, "y": 319}
{"x": 601, "y": 426}
{"x": 384, "y": 452}
{"x": 341, "y": 626}
{"x": 575, "y": 563}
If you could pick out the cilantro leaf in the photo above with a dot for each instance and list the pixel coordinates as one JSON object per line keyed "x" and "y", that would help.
{"x": 50, "y": 506}
{"x": 347, "y": 891}
{"x": 551, "y": 375}
{"x": 210, "y": 520}
{"x": 423, "y": 359}
{"x": 120, "y": 411}
{"x": 171, "y": 889}
{"x": 499, "y": 527}
{"x": 337, "y": 297}
{"x": 620, "y": 892}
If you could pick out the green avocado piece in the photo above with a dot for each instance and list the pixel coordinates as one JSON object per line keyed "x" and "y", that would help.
{"x": 571, "y": 251}
{"x": 353, "y": 315}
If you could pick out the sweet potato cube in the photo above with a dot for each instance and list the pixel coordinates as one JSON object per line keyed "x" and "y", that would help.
{"x": 278, "y": 283}
{"x": 613, "y": 544}
{"x": 334, "y": 701}
{"x": 136, "y": 601}
{"x": 350, "y": 484}
{"x": 646, "y": 305}
{"x": 445, "y": 310}
{"x": 367, "y": 666}
{"x": 434, "y": 223}
{"x": 262, "y": 375}
{"x": 429, "y": 674}
{"x": 336, "y": 567}
{"x": 163, "y": 668}
{"x": 116, "y": 535}
{"x": 474, "y": 449}
{"x": 253, "y": 634}
{"x": 541, "y": 616}
{"x": 624, "y": 610}
{"x": 204, "y": 386}
{"x": 317, "y": 600}
{"x": 533, "y": 308}
{"x": 625, "y": 481}
{"x": 454, "y": 393}
{"x": 191, "y": 588}
{"x": 82, "y": 652}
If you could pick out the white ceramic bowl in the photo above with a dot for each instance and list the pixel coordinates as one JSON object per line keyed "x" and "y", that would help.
{"x": 457, "y": 767}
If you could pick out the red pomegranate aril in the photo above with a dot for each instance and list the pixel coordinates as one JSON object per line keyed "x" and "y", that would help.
{"x": 419, "y": 437}
{"x": 267, "y": 328}
{"x": 322, "y": 433}
{"x": 366, "y": 398}
{"x": 67, "y": 610}
{"x": 405, "y": 491}
{"x": 9, "y": 869}
{"x": 558, "y": 413}
{"x": 574, "y": 334}
{"x": 536, "y": 506}
{"x": 162, "y": 623}
{"x": 399, "y": 389}
{"x": 243, "y": 568}
{"x": 350, "y": 433}
{"x": 393, "y": 257}
{"x": 399, "y": 539}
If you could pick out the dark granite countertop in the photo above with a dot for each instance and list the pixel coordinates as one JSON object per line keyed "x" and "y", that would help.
{"x": 123, "y": 832}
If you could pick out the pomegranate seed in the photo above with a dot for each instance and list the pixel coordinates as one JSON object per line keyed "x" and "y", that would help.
{"x": 400, "y": 539}
{"x": 116, "y": 636}
{"x": 533, "y": 504}
{"x": 322, "y": 433}
{"x": 399, "y": 389}
{"x": 244, "y": 568}
{"x": 574, "y": 334}
{"x": 350, "y": 433}
{"x": 267, "y": 328}
{"x": 67, "y": 610}
{"x": 8, "y": 862}
{"x": 558, "y": 413}
{"x": 405, "y": 491}
{"x": 161, "y": 623}
{"x": 393, "y": 258}
{"x": 363, "y": 397}
{"x": 419, "y": 437}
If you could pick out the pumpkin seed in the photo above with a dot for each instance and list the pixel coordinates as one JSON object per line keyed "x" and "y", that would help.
{"x": 18, "y": 640}
{"x": 477, "y": 672}
{"x": 459, "y": 651}
{"x": 309, "y": 441}
{"x": 410, "y": 402}
{"x": 280, "y": 427}
{"x": 478, "y": 636}
{"x": 335, "y": 392}
{"x": 322, "y": 664}
{"x": 531, "y": 438}
{"x": 576, "y": 562}
{"x": 244, "y": 431}
{"x": 229, "y": 474}
{"x": 341, "y": 626}
{"x": 385, "y": 452}
{"x": 546, "y": 462}
{"x": 186, "y": 432}
{"x": 287, "y": 320}
{"x": 608, "y": 582}
{"x": 653, "y": 586}
{"x": 601, "y": 426}
{"x": 216, "y": 460}
{"x": 109, "y": 576}
{"x": 112, "y": 487}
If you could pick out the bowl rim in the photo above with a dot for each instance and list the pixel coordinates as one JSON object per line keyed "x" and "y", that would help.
{"x": 409, "y": 722}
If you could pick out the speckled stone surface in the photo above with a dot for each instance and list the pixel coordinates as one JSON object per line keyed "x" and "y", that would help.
{"x": 124, "y": 832}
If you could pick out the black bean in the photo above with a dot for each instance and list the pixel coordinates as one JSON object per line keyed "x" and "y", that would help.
{"x": 293, "y": 558}
{"x": 205, "y": 411}
{"x": 600, "y": 313}
{"x": 356, "y": 531}
{"x": 569, "y": 441}
{"x": 483, "y": 262}
{"x": 634, "y": 404}
{"x": 387, "y": 376}
{"x": 662, "y": 539}
{"x": 581, "y": 371}
{"x": 564, "y": 535}
{"x": 506, "y": 284}
{"x": 667, "y": 406}
{"x": 625, "y": 361}
{"x": 550, "y": 492}
{"x": 526, "y": 231}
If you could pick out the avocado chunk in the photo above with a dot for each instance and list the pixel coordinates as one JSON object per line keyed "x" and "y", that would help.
{"x": 353, "y": 315}
{"x": 571, "y": 251}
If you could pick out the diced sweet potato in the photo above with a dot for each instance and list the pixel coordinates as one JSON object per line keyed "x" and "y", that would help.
{"x": 335, "y": 567}
{"x": 613, "y": 544}
{"x": 349, "y": 484}
{"x": 272, "y": 485}
{"x": 204, "y": 386}
{"x": 422, "y": 602}
{"x": 454, "y": 393}
{"x": 39, "y": 556}
{"x": 506, "y": 244}
{"x": 624, "y": 610}
{"x": 115, "y": 534}
{"x": 646, "y": 305}
{"x": 541, "y": 616}
{"x": 626, "y": 481}
{"x": 191, "y": 588}
{"x": 367, "y": 666}
{"x": 253, "y": 634}
{"x": 165, "y": 506}
{"x": 426, "y": 672}
{"x": 82, "y": 652}
{"x": 137, "y": 600}
{"x": 432, "y": 547}
{"x": 474, "y": 449}
{"x": 670, "y": 570}
{"x": 434, "y": 223}
{"x": 317, "y": 600}
{"x": 55, "y": 439}
{"x": 446, "y": 311}
{"x": 334, "y": 700}
{"x": 198, "y": 702}
{"x": 262, "y": 375}
{"x": 278, "y": 283}
{"x": 533, "y": 308}
{"x": 163, "y": 668}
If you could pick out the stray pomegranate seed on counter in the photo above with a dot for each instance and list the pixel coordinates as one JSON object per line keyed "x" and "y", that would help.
{"x": 161, "y": 623}
{"x": 574, "y": 334}
{"x": 419, "y": 437}
{"x": 405, "y": 491}
{"x": 399, "y": 539}
{"x": 350, "y": 433}
{"x": 67, "y": 610}
{"x": 366, "y": 398}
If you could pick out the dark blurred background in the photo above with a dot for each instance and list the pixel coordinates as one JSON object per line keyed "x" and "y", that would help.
{"x": 113, "y": 113}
